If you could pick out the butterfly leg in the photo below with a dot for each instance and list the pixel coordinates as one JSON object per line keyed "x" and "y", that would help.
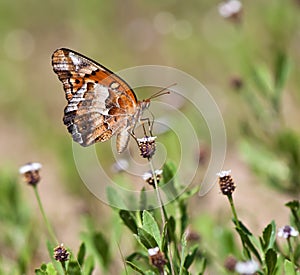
{"x": 133, "y": 136}
{"x": 150, "y": 125}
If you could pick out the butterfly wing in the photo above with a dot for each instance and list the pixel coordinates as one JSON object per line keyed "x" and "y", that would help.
{"x": 100, "y": 103}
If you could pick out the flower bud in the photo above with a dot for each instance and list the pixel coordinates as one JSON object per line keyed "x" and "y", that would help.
{"x": 61, "y": 254}
{"x": 226, "y": 183}
{"x": 147, "y": 146}
{"x": 30, "y": 172}
{"x": 157, "y": 258}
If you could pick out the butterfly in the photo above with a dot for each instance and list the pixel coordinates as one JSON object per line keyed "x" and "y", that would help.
{"x": 100, "y": 103}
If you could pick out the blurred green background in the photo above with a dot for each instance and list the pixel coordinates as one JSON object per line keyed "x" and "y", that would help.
{"x": 261, "y": 52}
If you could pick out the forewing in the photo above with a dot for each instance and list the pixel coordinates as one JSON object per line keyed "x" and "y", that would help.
{"x": 100, "y": 104}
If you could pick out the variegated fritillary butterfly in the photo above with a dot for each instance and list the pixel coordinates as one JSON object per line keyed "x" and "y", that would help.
{"x": 100, "y": 103}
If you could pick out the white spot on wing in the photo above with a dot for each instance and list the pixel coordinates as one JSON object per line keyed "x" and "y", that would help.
{"x": 114, "y": 85}
{"x": 101, "y": 94}
{"x": 75, "y": 59}
{"x": 62, "y": 66}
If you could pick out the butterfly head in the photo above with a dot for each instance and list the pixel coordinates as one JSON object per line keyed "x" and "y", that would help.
{"x": 146, "y": 102}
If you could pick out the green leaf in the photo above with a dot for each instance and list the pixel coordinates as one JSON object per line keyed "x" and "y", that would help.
{"x": 50, "y": 249}
{"x": 47, "y": 269}
{"x": 136, "y": 256}
{"x": 288, "y": 142}
{"x": 51, "y": 270}
{"x": 282, "y": 69}
{"x": 143, "y": 199}
{"x": 265, "y": 162}
{"x": 183, "y": 271}
{"x": 139, "y": 241}
{"x": 293, "y": 205}
{"x": 183, "y": 248}
{"x": 229, "y": 243}
{"x": 203, "y": 267}
{"x": 189, "y": 259}
{"x": 271, "y": 260}
{"x": 269, "y": 236}
{"x": 81, "y": 254}
{"x": 247, "y": 243}
{"x": 183, "y": 217}
{"x": 169, "y": 171}
{"x": 164, "y": 242}
{"x": 44, "y": 267}
{"x": 129, "y": 219}
{"x": 243, "y": 227}
{"x": 151, "y": 226}
{"x": 114, "y": 198}
{"x": 171, "y": 226}
{"x": 289, "y": 267}
{"x": 41, "y": 270}
{"x": 263, "y": 80}
{"x": 146, "y": 239}
{"x": 101, "y": 247}
{"x": 135, "y": 268}
{"x": 189, "y": 193}
{"x": 74, "y": 268}
{"x": 89, "y": 265}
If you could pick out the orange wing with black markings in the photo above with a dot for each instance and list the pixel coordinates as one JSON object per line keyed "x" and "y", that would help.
{"x": 100, "y": 103}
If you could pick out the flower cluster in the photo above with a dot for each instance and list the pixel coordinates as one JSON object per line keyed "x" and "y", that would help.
{"x": 231, "y": 9}
{"x": 287, "y": 232}
{"x": 157, "y": 258}
{"x": 61, "y": 254}
{"x": 249, "y": 267}
{"x": 226, "y": 183}
{"x": 246, "y": 268}
{"x": 149, "y": 177}
{"x": 147, "y": 146}
{"x": 30, "y": 172}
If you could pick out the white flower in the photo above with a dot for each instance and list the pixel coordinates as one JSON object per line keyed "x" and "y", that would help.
{"x": 148, "y": 175}
{"x": 230, "y": 8}
{"x": 146, "y": 139}
{"x": 30, "y": 167}
{"x": 153, "y": 251}
{"x": 249, "y": 267}
{"x": 223, "y": 173}
{"x": 287, "y": 232}
{"x": 31, "y": 172}
{"x": 146, "y": 146}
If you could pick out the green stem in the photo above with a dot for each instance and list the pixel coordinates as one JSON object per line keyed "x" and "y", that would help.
{"x": 238, "y": 226}
{"x": 48, "y": 225}
{"x": 235, "y": 217}
{"x": 162, "y": 212}
{"x": 296, "y": 218}
{"x": 183, "y": 244}
{"x": 63, "y": 264}
{"x": 291, "y": 254}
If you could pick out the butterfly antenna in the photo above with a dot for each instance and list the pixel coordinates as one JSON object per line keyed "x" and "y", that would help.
{"x": 163, "y": 91}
